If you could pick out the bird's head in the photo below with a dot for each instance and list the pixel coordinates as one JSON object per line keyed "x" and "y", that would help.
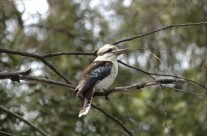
{"x": 109, "y": 53}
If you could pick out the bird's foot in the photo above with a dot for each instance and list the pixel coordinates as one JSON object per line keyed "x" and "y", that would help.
{"x": 106, "y": 95}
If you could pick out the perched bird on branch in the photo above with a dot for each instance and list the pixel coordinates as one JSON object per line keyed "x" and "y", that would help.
{"x": 99, "y": 75}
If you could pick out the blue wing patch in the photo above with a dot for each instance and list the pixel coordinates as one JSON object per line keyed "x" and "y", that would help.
{"x": 101, "y": 71}
{"x": 98, "y": 71}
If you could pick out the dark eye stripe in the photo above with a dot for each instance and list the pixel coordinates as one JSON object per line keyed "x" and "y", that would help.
{"x": 108, "y": 51}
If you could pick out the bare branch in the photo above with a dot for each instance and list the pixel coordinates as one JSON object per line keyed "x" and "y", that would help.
{"x": 112, "y": 118}
{"x": 160, "y": 29}
{"x": 47, "y": 81}
{"x": 69, "y": 53}
{"x": 121, "y": 62}
{"x": 14, "y": 76}
{"x": 25, "y": 121}
{"x": 23, "y": 75}
{"x": 140, "y": 86}
{"x": 39, "y": 57}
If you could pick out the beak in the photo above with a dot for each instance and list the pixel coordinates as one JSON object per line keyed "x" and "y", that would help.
{"x": 121, "y": 51}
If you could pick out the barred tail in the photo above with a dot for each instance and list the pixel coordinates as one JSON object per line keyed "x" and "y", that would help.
{"x": 88, "y": 95}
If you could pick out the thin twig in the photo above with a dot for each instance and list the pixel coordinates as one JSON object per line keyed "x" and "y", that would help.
{"x": 39, "y": 57}
{"x": 201, "y": 85}
{"x": 112, "y": 118}
{"x": 184, "y": 91}
{"x": 25, "y": 121}
{"x": 121, "y": 62}
{"x": 160, "y": 29}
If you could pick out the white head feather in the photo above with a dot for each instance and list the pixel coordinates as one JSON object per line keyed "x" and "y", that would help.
{"x": 108, "y": 52}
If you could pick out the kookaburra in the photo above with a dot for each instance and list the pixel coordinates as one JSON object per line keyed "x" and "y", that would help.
{"x": 99, "y": 75}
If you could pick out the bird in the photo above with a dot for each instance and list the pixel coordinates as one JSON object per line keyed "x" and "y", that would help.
{"x": 99, "y": 75}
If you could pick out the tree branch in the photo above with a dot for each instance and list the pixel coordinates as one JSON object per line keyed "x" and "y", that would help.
{"x": 47, "y": 81}
{"x": 112, "y": 118}
{"x": 14, "y": 76}
{"x": 160, "y": 29}
{"x": 25, "y": 121}
{"x": 39, "y": 57}
{"x": 139, "y": 86}
{"x": 24, "y": 75}
{"x": 69, "y": 53}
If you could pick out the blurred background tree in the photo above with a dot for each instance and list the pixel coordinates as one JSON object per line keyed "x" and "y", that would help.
{"x": 75, "y": 25}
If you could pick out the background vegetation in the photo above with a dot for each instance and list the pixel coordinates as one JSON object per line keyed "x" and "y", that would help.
{"x": 75, "y": 25}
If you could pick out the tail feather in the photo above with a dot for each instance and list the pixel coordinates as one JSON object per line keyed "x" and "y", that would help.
{"x": 88, "y": 95}
{"x": 86, "y": 107}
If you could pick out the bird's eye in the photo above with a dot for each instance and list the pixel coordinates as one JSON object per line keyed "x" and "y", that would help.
{"x": 110, "y": 50}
